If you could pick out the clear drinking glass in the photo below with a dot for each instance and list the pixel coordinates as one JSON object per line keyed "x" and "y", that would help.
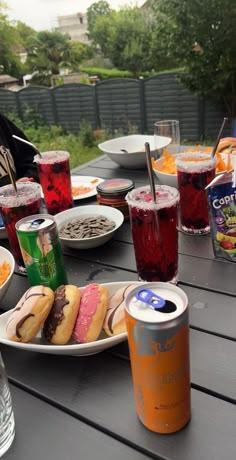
{"x": 55, "y": 179}
{"x": 14, "y": 207}
{"x": 170, "y": 129}
{"x": 7, "y": 421}
{"x": 154, "y": 232}
{"x": 195, "y": 171}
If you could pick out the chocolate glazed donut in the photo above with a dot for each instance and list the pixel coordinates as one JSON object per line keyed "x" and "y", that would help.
{"x": 60, "y": 322}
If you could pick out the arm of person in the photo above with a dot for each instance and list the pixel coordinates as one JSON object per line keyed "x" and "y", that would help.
{"x": 23, "y": 154}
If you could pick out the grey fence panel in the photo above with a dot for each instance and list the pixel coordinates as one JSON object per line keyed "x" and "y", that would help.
{"x": 8, "y": 101}
{"x": 119, "y": 104}
{"x": 167, "y": 98}
{"x": 74, "y": 103}
{"x": 39, "y": 100}
{"x": 213, "y": 117}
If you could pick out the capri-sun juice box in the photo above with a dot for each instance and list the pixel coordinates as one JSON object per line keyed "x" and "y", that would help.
{"x": 221, "y": 196}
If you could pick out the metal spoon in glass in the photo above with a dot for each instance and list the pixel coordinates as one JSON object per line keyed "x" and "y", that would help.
{"x": 29, "y": 143}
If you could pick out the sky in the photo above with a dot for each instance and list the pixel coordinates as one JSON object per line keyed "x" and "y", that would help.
{"x": 42, "y": 14}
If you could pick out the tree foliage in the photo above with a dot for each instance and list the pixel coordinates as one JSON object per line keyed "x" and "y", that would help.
{"x": 201, "y": 36}
{"x": 9, "y": 61}
{"x": 96, "y": 10}
{"x": 124, "y": 37}
{"x": 48, "y": 52}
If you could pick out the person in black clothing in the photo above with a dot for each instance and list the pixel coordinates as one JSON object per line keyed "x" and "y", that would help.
{"x": 21, "y": 155}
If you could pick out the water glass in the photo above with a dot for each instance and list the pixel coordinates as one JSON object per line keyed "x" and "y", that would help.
{"x": 154, "y": 232}
{"x": 7, "y": 421}
{"x": 170, "y": 129}
{"x": 55, "y": 179}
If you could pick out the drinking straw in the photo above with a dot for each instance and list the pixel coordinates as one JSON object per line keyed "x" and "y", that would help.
{"x": 218, "y": 137}
{"x": 13, "y": 182}
{"x": 234, "y": 171}
{"x": 150, "y": 171}
{"x": 29, "y": 143}
{"x": 153, "y": 192}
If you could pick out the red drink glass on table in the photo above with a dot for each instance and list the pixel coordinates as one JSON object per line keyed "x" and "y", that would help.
{"x": 54, "y": 175}
{"x": 154, "y": 232}
{"x": 195, "y": 171}
{"x": 14, "y": 207}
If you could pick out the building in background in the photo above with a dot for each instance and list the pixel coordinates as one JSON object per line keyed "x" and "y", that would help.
{"x": 74, "y": 25}
{"x": 9, "y": 82}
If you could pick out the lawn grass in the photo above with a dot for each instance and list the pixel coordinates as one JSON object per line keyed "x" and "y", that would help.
{"x": 54, "y": 138}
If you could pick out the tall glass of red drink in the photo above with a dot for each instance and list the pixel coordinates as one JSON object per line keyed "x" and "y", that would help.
{"x": 195, "y": 171}
{"x": 154, "y": 231}
{"x": 54, "y": 176}
{"x": 14, "y": 207}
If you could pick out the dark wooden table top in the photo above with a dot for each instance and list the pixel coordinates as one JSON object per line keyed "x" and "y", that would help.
{"x": 83, "y": 407}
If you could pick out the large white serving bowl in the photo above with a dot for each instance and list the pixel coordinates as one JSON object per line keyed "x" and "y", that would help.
{"x": 93, "y": 210}
{"x": 165, "y": 178}
{"x": 129, "y": 151}
{"x": 6, "y": 256}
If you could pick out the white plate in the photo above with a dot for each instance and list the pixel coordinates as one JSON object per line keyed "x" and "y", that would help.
{"x": 85, "y": 181}
{"x": 82, "y": 349}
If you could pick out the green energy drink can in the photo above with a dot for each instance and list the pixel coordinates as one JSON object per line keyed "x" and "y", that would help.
{"x": 41, "y": 250}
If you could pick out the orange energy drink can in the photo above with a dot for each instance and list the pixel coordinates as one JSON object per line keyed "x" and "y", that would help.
{"x": 158, "y": 336}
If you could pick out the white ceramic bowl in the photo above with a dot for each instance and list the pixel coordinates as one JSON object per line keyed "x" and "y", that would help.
{"x": 6, "y": 256}
{"x": 133, "y": 156}
{"x": 93, "y": 210}
{"x": 165, "y": 178}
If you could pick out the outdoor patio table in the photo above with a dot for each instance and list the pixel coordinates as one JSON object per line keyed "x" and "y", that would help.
{"x": 83, "y": 407}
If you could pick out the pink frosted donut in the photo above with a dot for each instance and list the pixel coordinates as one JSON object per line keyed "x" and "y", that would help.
{"x": 93, "y": 307}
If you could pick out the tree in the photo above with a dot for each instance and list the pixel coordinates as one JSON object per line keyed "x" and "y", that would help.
{"x": 79, "y": 52}
{"x": 124, "y": 37}
{"x": 25, "y": 33}
{"x": 201, "y": 36}
{"x": 96, "y": 10}
{"x": 9, "y": 61}
{"x": 48, "y": 52}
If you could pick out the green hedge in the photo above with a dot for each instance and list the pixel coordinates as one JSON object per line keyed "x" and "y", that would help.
{"x": 104, "y": 74}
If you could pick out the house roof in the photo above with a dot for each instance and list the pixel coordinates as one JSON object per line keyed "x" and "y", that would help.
{"x": 7, "y": 79}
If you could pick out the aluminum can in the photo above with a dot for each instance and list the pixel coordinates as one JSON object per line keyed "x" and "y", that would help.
{"x": 158, "y": 336}
{"x": 41, "y": 250}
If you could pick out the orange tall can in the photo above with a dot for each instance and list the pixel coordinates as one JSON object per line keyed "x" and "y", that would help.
{"x": 158, "y": 336}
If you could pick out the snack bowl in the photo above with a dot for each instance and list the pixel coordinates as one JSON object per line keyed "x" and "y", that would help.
{"x": 6, "y": 256}
{"x": 163, "y": 177}
{"x": 129, "y": 151}
{"x": 71, "y": 215}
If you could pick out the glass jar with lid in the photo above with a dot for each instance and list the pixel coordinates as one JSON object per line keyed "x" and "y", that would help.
{"x": 112, "y": 192}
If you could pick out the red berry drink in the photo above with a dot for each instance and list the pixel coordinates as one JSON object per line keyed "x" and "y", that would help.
{"x": 15, "y": 207}
{"x": 195, "y": 171}
{"x": 154, "y": 231}
{"x": 54, "y": 175}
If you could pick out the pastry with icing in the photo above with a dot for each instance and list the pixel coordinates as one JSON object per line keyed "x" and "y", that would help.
{"x": 93, "y": 307}
{"x": 59, "y": 324}
{"x": 114, "y": 322}
{"x": 29, "y": 314}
